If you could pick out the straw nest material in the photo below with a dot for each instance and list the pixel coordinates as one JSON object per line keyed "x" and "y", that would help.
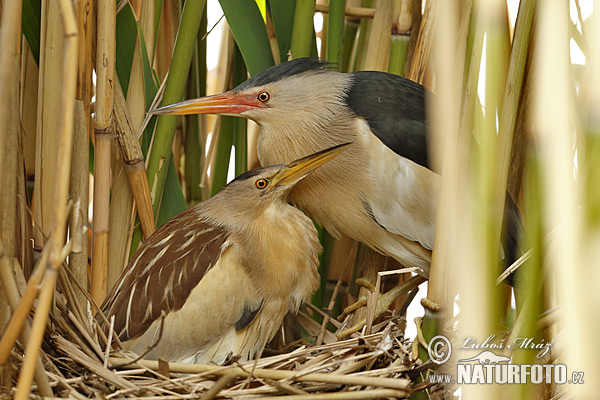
{"x": 321, "y": 366}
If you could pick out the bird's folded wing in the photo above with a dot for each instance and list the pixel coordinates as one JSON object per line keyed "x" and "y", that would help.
{"x": 395, "y": 109}
{"x": 163, "y": 272}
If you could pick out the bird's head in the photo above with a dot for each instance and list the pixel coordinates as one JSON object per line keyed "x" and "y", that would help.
{"x": 255, "y": 191}
{"x": 275, "y": 182}
{"x": 289, "y": 93}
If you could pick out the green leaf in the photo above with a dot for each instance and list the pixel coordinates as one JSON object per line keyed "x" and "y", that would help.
{"x": 250, "y": 33}
{"x": 31, "y": 18}
{"x": 222, "y": 155}
{"x": 174, "y": 91}
{"x": 126, "y": 37}
{"x": 282, "y": 15}
{"x": 172, "y": 202}
{"x": 303, "y": 42}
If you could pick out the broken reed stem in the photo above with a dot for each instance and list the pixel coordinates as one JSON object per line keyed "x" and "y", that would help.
{"x": 134, "y": 161}
{"x": 390, "y": 383}
{"x": 61, "y": 190}
{"x": 422, "y": 52}
{"x": 12, "y": 293}
{"x": 21, "y": 313}
{"x": 105, "y": 70}
{"x": 354, "y": 12}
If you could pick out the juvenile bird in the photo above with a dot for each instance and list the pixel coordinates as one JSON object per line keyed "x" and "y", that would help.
{"x": 216, "y": 280}
{"x": 382, "y": 191}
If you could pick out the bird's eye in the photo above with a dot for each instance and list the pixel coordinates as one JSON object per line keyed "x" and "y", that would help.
{"x": 262, "y": 183}
{"x": 263, "y": 97}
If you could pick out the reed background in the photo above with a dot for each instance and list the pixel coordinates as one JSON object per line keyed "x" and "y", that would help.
{"x": 86, "y": 173}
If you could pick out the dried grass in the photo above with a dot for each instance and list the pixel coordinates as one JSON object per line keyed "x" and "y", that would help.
{"x": 362, "y": 367}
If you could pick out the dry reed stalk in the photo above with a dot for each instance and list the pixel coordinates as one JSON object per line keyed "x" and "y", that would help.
{"x": 134, "y": 161}
{"x": 63, "y": 161}
{"x": 341, "y": 379}
{"x": 28, "y": 105}
{"x": 9, "y": 141}
{"x": 10, "y": 286}
{"x": 167, "y": 32}
{"x": 79, "y": 261}
{"x": 105, "y": 71}
{"x": 448, "y": 151}
{"x": 449, "y": 147}
{"x": 378, "y": 52}
{"x": 147, "y": 22}
{"x": 273, "y": 40}
{"x": 420, "y": 56}
{"x": 554, "y": 140}
{"x": 354, "y": 12}
{"x": 51, "y": 56}
{"x": 130, "y": 179}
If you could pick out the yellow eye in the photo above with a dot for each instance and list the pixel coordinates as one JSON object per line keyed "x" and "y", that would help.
{"x": 262, "y": 183}
{"x": 263, "y": 97}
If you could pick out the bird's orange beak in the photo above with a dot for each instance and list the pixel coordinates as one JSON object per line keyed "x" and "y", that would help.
{"x": 292, "y": 172}
{"x": 224, "y": 104}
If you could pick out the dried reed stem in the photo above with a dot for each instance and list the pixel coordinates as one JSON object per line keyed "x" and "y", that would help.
{"x": 9, "y": 144}
{"x": 63, "y": 162}
{"x": 389, "y": 383}
{"x": 105, "y": 70}
{"x": 81, "y": 158}
{"x": 134, "y": 161}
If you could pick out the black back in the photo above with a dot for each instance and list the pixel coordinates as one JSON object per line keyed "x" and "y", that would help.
{"x": 395, "y": 109}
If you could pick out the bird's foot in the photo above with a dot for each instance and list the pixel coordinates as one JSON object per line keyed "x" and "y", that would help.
{"x": 384, "y": 301}
{"x": 420, "y": 339}
{"x": 361, "y": 302}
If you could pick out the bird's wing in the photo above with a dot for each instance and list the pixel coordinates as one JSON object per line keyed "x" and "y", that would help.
{"x": 403, "y": 196}
{"x": 163, "y": 272}
{"x": 395, "y": 109}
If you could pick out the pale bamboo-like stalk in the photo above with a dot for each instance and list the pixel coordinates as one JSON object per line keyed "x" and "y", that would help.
{"x": 554, "y": 142}
{"x": 512, "y": 95}
{"x": 80, "y": 183}
{"x": 448, "y": 149}
{"x": 105, "y": 71}
{"x": 378, "y": 52}
{"x": 63, "y": 161}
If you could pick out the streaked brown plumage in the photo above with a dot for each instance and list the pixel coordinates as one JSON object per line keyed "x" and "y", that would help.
{"x": 223, "y": 273}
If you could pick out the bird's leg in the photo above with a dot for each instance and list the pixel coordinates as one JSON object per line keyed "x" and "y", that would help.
{"x": 383, "y": 302}
{"x": 361, "y": 302}
{"x": 420, "y": 339}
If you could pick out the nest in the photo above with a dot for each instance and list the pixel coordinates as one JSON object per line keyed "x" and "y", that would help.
{"x": 320, "y": 366}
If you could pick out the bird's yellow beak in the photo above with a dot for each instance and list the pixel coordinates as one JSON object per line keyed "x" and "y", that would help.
{"x": 294, "y": 171}
{"x": 224, "y": 103}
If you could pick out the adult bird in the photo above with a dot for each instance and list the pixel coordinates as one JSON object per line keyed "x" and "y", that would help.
{"x": 216, "y": 280}
{"x": 382, "y": 191}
